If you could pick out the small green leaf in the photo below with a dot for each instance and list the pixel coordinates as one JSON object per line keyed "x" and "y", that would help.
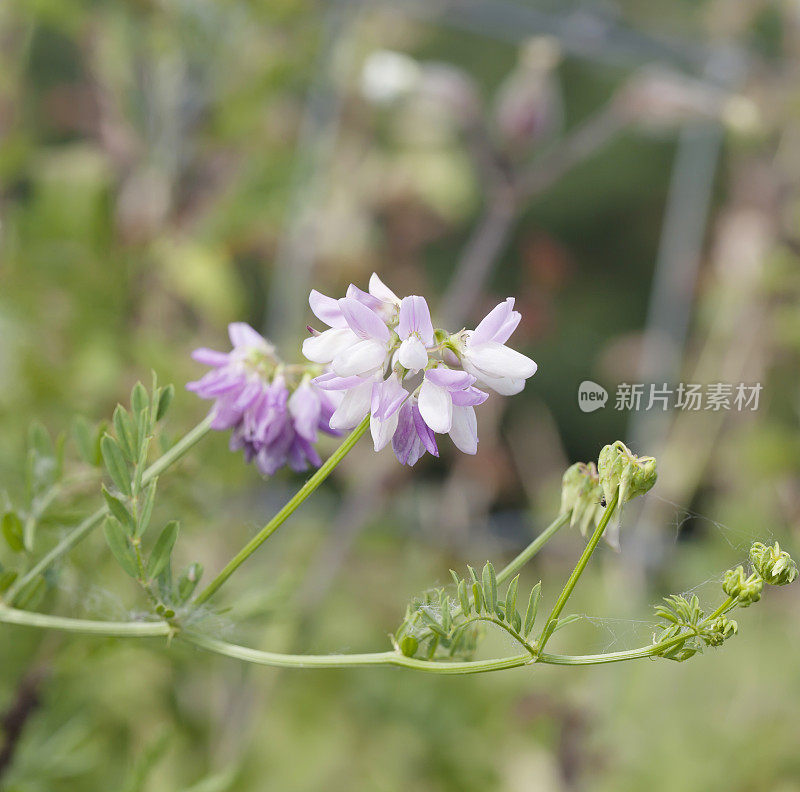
{"x": 13, "y": 531}
{"x": 409, "y": 645}
{"x": 477, "y": 597}
{"x": 473, "y": 575}
{"x": 454, "y": 575}
{"x": 516, "y": 621}
{"x": 188, "y": 581}
{"x": 533, "y": 606}
{"x": 463, "y": 598}
{"x": 7, "y": 578}
{"x": 120, "y": 511}
{"x": 139, "y": 399}
{"x": 162, "y": 550}
{"x": 164, "y": 401}
{"x": 489, "y": 588}
{"x": 120, "y": 547}
{"x": 511, "y": 598}
{"x": 115, "y": 464}
{"x": 147, "y": 507}
{"x": 430, "y": 619}
{"x": 125, "y": 431}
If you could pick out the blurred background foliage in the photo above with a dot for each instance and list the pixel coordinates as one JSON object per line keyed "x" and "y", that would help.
{"x": 168, "y": 166}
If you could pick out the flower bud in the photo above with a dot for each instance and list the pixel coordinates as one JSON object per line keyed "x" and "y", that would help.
{"x": 774, "y": 565}
{"x": 745, "y": 590}
{"x": 622, "y": 472}
{"x": 582, "y": 494}
{"x": 721, "y": 629}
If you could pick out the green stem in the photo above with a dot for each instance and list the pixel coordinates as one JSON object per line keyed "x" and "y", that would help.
{"x": 552, "y": 619}
{"x": 185, "y": 444}
{"x": 720, "y": 610}
{"x": 610, "y": 657}
{"x": 347, "y": 661}
{"x": 280, "y": 518}
{"x": 280, "y": 660}
{"x": 533, "y": 548}
{"x": 87, "y": 626}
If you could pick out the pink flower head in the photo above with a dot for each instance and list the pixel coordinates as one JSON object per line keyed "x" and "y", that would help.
{"x": 273, "y": 422}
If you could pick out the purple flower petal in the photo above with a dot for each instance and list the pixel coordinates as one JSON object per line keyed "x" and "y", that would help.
{"x": 449, "y": 378}
{"x": 405, "y": 441}
{"x": 370, "y": 301}
{"x": 387, "y": 397}
{"x": 305, "y": 408}
{"x": 210, "y": 357}
{"x": 415, "y": 317}
{"x": 424, "y": 432}
{"x": 326, "y": 309}
{"x": 498, "y": 324}
{"x": 364, "y": 322}
{"x": 242, "y": 335}
{"x": 469, "y": 397}
{"x": 333, "y": 382}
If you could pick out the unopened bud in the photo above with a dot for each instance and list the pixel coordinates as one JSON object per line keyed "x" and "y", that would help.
{"x": 722, "y": 628}
{"x": 625, "y": 475}
{"x": 582, "y": 494}
{"x": 745, "y": 590}
{"x": 776, "y": 566}
{"x": 622, "y": 472}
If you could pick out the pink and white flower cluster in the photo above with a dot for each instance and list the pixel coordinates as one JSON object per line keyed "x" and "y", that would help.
{"x": 380, "y": 356}
{"x": 383, "y": 358}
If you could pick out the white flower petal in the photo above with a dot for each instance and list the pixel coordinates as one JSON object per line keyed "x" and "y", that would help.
{"x": 435, "y": 407}
{"x": 412, "y": 354}
{"x": 498, "y": 360}
{"x": 362, "y": 358}
{"x": 377, "y": 288}
{"x": 505, "y": 386}
{"x": 354, "y": 406}
{"x": 464, "y": 431}
{"x": 324, "y": 347}
{"x": 383, "y": 431}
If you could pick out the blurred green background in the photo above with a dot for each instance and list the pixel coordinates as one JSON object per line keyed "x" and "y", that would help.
{"x": 628, "y": 171}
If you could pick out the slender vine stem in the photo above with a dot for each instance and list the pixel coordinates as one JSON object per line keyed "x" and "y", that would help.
{"x": 87, "y": 626}
{"x": 77, "y": 534}
{"x": 280, "y": 518}
{"x": 552, "y": 619}
{"x": 347, "y": 661}
{"x": 533, "y": 548}
{"x": 610, "y": 657}
{"x": 720, "y": 610}
{"x": 281, "y": 660}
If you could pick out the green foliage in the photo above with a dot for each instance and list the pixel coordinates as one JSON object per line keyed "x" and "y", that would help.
{"x": 687, "y": 621}
{"x": 438, "y": 625}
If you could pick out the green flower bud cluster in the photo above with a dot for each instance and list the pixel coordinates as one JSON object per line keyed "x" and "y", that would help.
{"x": 774, "y": 565}
{"x": 743, "y": 588}
{"x": 721, "y": 628}
{"x": 582, "y": 494}
{"x": 687, "y": 621}
{"x": 626, "y": 475}
{"x": 621, "y": 471}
